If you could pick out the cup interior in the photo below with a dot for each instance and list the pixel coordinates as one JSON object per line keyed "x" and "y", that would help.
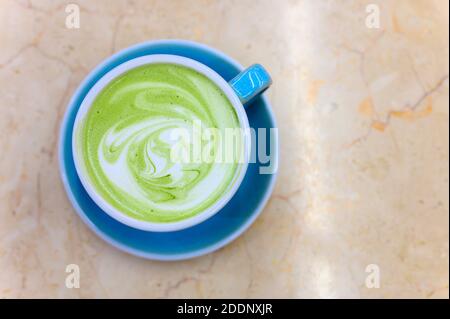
{"x": 104, "y": 204}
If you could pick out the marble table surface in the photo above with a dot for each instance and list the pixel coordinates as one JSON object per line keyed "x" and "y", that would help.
{"x": 363, "y": 113}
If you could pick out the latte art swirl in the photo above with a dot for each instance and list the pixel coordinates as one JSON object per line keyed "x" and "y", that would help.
{"x": 127, "y": 137}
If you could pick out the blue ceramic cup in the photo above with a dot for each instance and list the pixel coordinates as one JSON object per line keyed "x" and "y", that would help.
{"x": 241, "y": 90}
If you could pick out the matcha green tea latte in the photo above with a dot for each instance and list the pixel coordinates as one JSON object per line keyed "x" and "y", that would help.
{"x": 126, "y": 139}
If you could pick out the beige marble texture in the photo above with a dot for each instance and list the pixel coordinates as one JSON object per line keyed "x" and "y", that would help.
{"x": 364, "y": 130}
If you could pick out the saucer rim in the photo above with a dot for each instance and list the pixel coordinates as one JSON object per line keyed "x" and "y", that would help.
{"x": 110, "y": 240}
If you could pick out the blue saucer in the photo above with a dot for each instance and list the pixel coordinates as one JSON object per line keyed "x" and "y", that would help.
{"x": 198, "y": 240}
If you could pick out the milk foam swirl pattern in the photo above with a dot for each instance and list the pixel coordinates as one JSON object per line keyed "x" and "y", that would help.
{"x": 126, "y": 140}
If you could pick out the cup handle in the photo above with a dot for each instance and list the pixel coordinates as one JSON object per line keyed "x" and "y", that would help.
{"x": 251, "y": 82}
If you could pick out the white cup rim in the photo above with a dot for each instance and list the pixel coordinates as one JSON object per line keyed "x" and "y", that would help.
{"x": 155, "y": 59}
